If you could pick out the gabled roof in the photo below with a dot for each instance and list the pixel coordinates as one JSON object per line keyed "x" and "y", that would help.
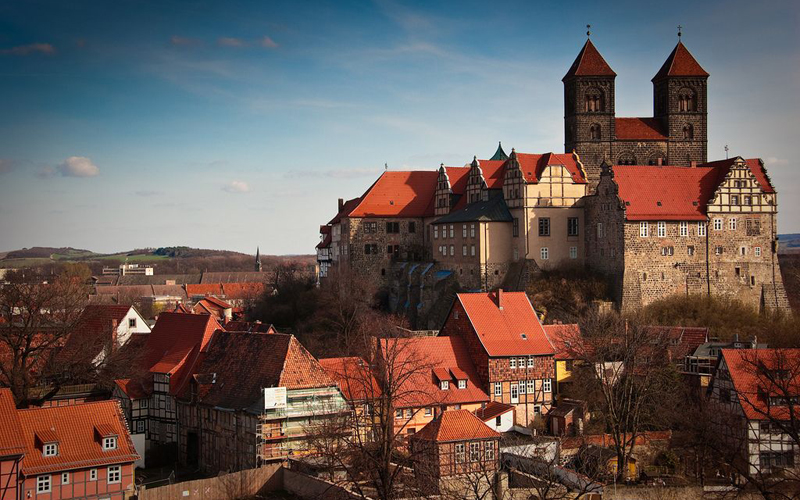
{"x": 494, "y": 172}
{"x": 455, "y": 425}
{"x": 680, "y": 63}
{"x": 216, "y": 302}
{"x": 675, "y": 193}
{"x": 748, "y": 370}
{"x": 244, "y": 363}
{"x": 589, "y": 63}
{"x": 416, "y": 358}
{"x": 11, "y": 442}
{"x": 639, "y": 129}
{"x": 492, "y": 210}
{"x": 348, "y": 207}
{"x": 399, "y": 194}
{"x": 75, "y": 428}
{"x": 353, "y": 376}
{"x": 683, "y": 340}
{"x": 249, "y": 327}
{"x": 92, "y": 332}
{"x": 533, "y": 165}
{"x": 492, "y": 410}
{"x": 505, "y": 323}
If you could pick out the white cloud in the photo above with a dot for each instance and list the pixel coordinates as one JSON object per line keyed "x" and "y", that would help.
{"x": 78, "y": 166}
{"x": 230, "y": 42}
{"x": 268, "y": 43}
{"x": 237, "y": 187}
{"x": 772, "y": 161}
{"x": 33, "y": 48}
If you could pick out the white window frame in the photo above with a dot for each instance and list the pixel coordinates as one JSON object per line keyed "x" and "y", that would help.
{"x": 547, "y": 385}
{"x": 472, "y": 250}
{"x": 50, "y": 450}
{"x": 461, "y": 453}
{"x": 462, "y": 383}
{"x": 472, "y": 230}
{"x": 444, "y": 385}
{"x": 474, "y": 452}
{"x": 718, "y": 224}
{"x": 531, "y": 386}
{"x": 684, "y": 228}
{"x": 398, "y": 414}
{"x": 701, "y": 228}
{"x": 140, "y": 426}
{"x": 428, "y": 411}
{"x": 545, "y": 253}
{"x": 643, "y": 230}
{"x": 409, "y": 413}
{"x": 463, "y": 250}
{"x": 514, "y": 393}
{"x": 512, "y": 363}
{"x": 93, "y": 475}
{"x": 65, "y": 478}
{"x": 452, "y": 231}
{"x": 757, "y": 251}
{"x": 662, "y": 229}
{"x": 114, "y": 474}
{"x": 435, "y": 232}
{"x": 452, "y": 250}
{"x": 109, "y": 443}
{"x": 573, "y": 252}
{"x": 530, "y": 361}
{"x": 488, "y": 450}
{"x": 732, "y": 223}
{"x": 44, "y": 484}
{"x": 463, "y": 230}
{"x": 522, "y": 387}
{"x": 498, "y": 389}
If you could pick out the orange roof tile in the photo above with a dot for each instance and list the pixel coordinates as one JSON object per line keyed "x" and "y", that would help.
{"x": 455, "y": 425}
{"x": 353, "y": 376}
{"x": 494, "y": 172}
{"x": 589, "y": 63}
{"x": 492, "y": 410}
{"x": 639, "y": 129}
{"x": 500, "y": 328}
{"x": 11, "y": 442}
{"x": 753, "y": 386}
{"x": 680, "y": 62}
{"x": 532, "y": 166}
{"x": 79, "y": 445}
{"x": 399, "y": 194}
{"x": 420, "y": 387}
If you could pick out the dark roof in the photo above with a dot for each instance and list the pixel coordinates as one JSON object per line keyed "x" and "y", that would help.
{"x": 244, "y": 363}
{"x": 680, "y": 63}
{"x": 92, "y": 332}
{"x": 159, "y": 279}
{"x": 589, "y": 63}
{"x": 492, "y": 210}
{"x": 499, "y": 154}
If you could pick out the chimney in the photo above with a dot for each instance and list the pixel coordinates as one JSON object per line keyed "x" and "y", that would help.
{"x": 693, "y": 164}
{"x": 341, "y": 204}
{"x": 660, "y": 161}
{"x": 500, "y": 298}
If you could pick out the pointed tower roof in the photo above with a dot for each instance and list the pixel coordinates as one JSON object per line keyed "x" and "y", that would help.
{"x": 499, "y": 154}
{"x": 680, "y": 63}
{"x": 589, "y": 63}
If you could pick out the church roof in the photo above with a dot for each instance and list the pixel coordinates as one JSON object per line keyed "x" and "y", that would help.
{"x": 639, "y": 129}
{"x": 589, "y": 63}
{"x": 680, "y": 63}
{"x": 499, "y": 154}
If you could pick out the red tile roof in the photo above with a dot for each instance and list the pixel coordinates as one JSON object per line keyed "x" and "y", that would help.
{"x": 353, "y": 376}
{"x": 244, "y": 363}
{"x": 417, "y": 357}
{"x": 399, "y": 194}
{"x": 492, "y": 410}
{"x": 250, "y": 327}
{"x": 589, "y": 63}
{"x": 75, "y": 428}
{"x": 11, "y": 442}
{"x": 455, "y": 425}
{"x": 680, "y": 63}
{"x": 675, "y": 193}
{"x": 500, "y": 327}
{"x": 753, "y": 385}
{"x": 533, "y": 165}
{"x": 217, "y": 302}
{"x": 92, "y": 332}
{"x": 639, "y": 129}
{"x": 684, "y": 340}
{"x": 562, "y": 337}
{"x": 134, "y": 389}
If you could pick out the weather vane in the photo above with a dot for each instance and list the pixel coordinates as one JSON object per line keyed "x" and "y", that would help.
{"x": 679, "y": 31}
{"x": 588, "y": 30}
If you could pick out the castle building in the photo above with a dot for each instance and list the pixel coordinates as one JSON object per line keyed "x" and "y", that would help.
{"x": 633, "y": 198}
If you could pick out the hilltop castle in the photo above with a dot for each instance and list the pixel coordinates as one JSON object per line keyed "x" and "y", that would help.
{"x": 633, "y": 198}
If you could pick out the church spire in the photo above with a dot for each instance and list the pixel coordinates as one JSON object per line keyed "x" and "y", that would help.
{"x": 258, "y": 260}
{"x": 680, "y": 63}
{"x": 589, "y": 63}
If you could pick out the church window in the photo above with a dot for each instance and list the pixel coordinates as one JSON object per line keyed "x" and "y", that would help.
{"x": 688, "y": 132}
{"x": 594, "y": 100}
{"x": 594, "y": 132}
{"x": 687, "y": 100}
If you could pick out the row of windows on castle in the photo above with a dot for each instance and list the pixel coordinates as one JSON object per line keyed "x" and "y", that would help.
{"x": 573, "y": 228}
{"x": 753, "y": 227}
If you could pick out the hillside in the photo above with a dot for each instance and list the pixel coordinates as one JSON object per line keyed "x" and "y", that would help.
{"x": 789, "y": 243}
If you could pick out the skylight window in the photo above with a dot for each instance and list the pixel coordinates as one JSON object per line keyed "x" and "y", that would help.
{"x": 524, "y": 337}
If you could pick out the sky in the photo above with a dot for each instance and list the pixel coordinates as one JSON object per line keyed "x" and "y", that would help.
{"x": 232, "y": 125}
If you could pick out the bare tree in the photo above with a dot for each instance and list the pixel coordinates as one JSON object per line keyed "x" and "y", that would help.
{"x": 35, "y": 319}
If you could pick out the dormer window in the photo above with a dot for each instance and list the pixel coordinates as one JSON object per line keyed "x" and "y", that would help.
{"x": 109, "y": 443}
{"x": 462, "y": 384}
{"x": 50, "y": 449}
{"x": 444, "y": 385}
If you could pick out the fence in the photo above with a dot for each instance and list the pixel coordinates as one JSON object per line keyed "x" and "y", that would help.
{"x": 234, "y": 485}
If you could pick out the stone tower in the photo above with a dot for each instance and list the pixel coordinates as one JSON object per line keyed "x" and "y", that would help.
{"x": 258, "y": 260}
{"x": 680, "y": 103}
{"x": 589, "y": 109}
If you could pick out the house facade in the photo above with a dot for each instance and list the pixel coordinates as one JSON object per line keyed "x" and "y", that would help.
{"x": 510, "y": 350}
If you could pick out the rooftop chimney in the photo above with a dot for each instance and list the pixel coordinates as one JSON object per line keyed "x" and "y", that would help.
{"x": 341, "y": 204}
{"x": 693, "y": 164}
{"x": 500, "y": 298}
{"x": 660, "y": 161}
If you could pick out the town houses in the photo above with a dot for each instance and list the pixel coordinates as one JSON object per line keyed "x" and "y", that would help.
{"x": 634, "y": 199}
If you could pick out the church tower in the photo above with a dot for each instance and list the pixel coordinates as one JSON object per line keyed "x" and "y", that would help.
{"x": 680, "y": 102}
{"x": 258, "y": 260}
{"x": 589, "y": 109}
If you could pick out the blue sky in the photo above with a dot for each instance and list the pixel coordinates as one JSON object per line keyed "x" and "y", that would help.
{"x": 235, "y": 124}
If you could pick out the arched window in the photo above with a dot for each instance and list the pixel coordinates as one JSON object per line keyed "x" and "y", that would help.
{"x": 594, "y": 132}
{"x": 627, "y": 159}
{"x": 687, "y": 100}
{"x": 594, "y": 100}
{"x": 688, "y": 132}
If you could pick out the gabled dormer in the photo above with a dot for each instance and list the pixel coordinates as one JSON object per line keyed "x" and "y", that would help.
{"x": 107, "y": 436}
{"x": 514, "y": 182}
{"x": 47, "y": 441}
{"x": 444, "y": 193}
{"x": 476, "y": 183}
{"x": 745, "y": 188}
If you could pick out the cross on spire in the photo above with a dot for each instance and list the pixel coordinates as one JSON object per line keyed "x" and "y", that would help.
{"x": 588, "y": 30}
{"x": 680, "y": 32}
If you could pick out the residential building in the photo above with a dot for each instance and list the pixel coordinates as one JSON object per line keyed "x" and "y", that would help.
{"x": 221, "y": 310}
{"x": 128, "y": 269}
{"x": 563, "y": 338}
{"x": 511, "y": 352}
{"x": 252, "y": 398}
{"x": 757, "y": 396}
{"x": 362, "y": 391}
{"x": 497, "y": 416}
{"x": 77, "y": 451}
{"x": 698, "y": 365}
{"x": 454, "y": 447}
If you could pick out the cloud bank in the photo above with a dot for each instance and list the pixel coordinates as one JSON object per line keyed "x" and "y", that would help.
{"x": 236, "y": 187}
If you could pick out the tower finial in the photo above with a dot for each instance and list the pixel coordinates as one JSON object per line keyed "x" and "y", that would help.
{"x": 588, "y": 30}
{"x": 680, "y": 32}
{"x": 386, "y": 166}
